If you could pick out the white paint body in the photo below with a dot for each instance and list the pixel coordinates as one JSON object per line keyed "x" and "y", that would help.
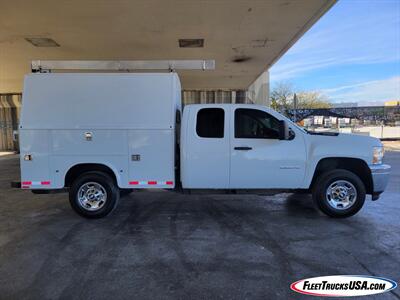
{"x": 135, "y": 114}
{"x": 127, "y": 114}
{"x": 271, "y": 164}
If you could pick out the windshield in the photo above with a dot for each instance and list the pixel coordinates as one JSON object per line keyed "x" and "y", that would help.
{"x": 291, "y": 123}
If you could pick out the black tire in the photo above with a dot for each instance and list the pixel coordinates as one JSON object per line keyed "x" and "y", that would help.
{"x": 105, "y": 182}
{"x": 322, "y": 184}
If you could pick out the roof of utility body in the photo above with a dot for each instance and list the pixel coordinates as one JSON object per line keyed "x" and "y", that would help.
{"x": 100, "y": 101}
{"x": 244, "y": 37}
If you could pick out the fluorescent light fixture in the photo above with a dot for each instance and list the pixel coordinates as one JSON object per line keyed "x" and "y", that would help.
{"x": 191, "y": 43}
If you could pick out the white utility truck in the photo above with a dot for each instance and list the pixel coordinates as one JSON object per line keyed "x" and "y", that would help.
{"x": 96, "y": 134}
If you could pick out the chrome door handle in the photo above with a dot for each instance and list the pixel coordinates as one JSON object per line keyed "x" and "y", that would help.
{"x": 243, "y": 148}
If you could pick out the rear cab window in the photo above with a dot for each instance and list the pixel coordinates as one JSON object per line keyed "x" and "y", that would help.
{"x": 210, "y": 123}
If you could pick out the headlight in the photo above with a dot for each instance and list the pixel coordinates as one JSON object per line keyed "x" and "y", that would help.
{"x": 377, "y": 155}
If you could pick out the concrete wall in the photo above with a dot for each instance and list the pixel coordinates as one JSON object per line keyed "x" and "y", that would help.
{"x": 258, "y": 91}
{"x": 381, "y": 132}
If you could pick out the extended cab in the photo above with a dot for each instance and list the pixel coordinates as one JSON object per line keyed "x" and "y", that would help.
{"x": 97, "y": 134}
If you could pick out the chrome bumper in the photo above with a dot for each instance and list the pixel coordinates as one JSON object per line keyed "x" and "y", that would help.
{"x": 380, "y": 178}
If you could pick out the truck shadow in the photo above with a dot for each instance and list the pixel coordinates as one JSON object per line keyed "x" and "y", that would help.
{"x": 300, "y": 205}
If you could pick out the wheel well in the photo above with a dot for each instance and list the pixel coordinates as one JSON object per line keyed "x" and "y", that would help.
{"x": 355, "y": 165}
{"x": 79, "y": 169}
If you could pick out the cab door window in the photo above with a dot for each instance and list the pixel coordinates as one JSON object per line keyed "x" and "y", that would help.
{"x": 255, "y": 124}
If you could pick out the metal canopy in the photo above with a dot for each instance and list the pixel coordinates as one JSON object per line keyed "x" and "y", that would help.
{"x": 244, "y": 37}
{"x": 121, "y": 65}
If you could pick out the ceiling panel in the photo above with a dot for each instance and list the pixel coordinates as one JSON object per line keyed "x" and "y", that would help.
{"x": 243, "y": 36}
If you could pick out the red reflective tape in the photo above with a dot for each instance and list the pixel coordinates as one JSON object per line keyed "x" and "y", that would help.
{"x": 170, "y": 182}
{"x": 133, "y": 182}
{"x": 45, "y": 182}
{"x": 151, "y": 182}
{"x": 25, "y": 187}
{"x": 26, "y": 182}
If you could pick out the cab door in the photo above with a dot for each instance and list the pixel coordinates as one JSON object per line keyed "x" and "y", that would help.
{"x": 205, "y": 154}
{"x": 259, "y": 159}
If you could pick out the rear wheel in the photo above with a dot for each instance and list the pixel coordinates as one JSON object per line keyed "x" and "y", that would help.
{"x": 94, "y": 195}
{"x": 339, "y": 193}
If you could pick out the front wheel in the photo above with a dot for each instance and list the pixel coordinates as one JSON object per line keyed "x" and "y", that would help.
{"x": 94, "y": 195}
{"x": 339, "y": 193}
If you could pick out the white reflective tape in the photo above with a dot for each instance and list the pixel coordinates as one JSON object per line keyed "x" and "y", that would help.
{"x": 168, "y": 182}
{"x": 151, "y": 182}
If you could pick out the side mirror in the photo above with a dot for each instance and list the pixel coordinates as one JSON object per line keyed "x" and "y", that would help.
{"x": 283, "y": 130}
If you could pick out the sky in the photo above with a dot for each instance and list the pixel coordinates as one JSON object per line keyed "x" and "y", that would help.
{"x": 352, "y": 54}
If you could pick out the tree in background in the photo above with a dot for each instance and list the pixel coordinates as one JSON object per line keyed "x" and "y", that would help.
{"x": 312, "y": 100}
{"x": 282, "y": 96}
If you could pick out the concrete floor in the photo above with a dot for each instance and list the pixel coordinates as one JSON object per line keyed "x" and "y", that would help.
{"x": 164, "y": 245}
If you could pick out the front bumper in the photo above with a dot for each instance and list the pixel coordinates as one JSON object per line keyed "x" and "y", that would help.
{"x": 380, "y": 178}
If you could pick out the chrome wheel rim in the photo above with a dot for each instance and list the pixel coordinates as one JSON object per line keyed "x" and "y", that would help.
{"x": 341, "y": 194}
{"x": 92, "y": 196}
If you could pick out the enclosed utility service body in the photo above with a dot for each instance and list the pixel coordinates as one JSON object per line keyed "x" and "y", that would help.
{"x": 124, "y": 122}
{"x": 97, "y": 133}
